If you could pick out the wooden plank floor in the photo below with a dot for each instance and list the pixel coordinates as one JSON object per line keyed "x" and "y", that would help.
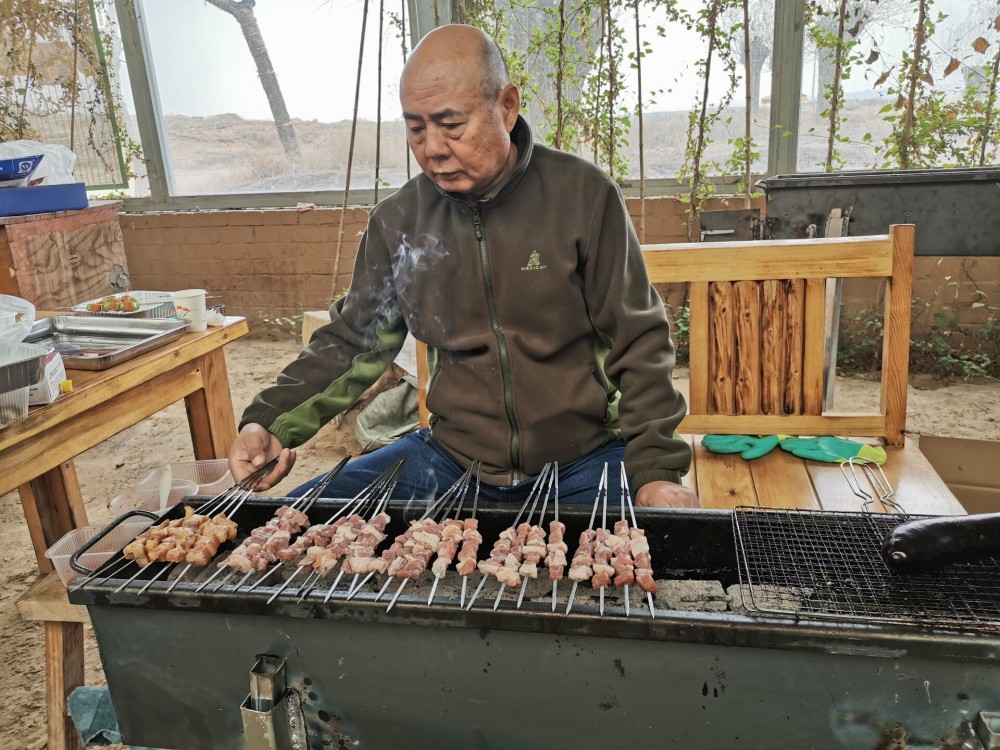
{"x": 781, "y": 480}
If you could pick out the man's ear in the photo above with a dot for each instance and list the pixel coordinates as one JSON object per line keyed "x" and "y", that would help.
{"x": 510, "y": 103}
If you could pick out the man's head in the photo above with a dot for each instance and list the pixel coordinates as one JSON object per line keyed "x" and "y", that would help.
{"x": 460, "y": 107}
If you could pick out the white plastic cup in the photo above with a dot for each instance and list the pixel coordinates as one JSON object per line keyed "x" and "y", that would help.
{"x": 190, "y": 306}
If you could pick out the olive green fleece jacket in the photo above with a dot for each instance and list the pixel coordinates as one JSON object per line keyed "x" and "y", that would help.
{"x": 545, "y": 337}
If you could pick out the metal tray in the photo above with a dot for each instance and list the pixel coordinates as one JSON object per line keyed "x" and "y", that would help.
{"x": 99, "y": 343}
{"x": 151, "y": 305}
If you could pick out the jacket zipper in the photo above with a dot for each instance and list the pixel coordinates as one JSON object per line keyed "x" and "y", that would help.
{"x": 508, "y": 390}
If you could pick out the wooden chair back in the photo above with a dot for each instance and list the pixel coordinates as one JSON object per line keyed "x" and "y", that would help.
{"x": 757, "y": 331}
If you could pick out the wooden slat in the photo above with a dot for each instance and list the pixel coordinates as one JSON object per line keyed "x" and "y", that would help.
{"x": 795, "y": 290}
{"x": 422, "y": 380}
{"x": 849, "y": 257}
{"x": 832, "y": 489}
{"x": 723, "y": 481}
{"x": 722, "y": 340}
{"x": 919, "y": 488}
{"x": 698, "y": 345}
{"x": 767, "y": 424}
{"x": 210, "y": 409}
{"x": 782, "y": 481}
{"x": 772, "y": 347}
{"x": 746, "y": 303}
{"x": 690, "y": 480}
{"x": 812, "y": 358}
{"x": 63, "y": 674}
{"x": 896, "y": 336}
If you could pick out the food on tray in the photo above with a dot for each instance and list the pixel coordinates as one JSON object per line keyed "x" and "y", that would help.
{"x": 124, "y": 303}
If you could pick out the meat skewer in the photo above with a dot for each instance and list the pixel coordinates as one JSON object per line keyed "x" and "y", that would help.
{"x": 471, "y": 539}
{"x": 262, "y": 545}
{"x": 535, "y": 549}
{"x": 639, "y": 548}
{"x": 228, "y": 501}
{"x": 427, "y": 540}
{"x": 349, "y": 518}
{"x": 555, "y": 561}
{"x": 580, "y": 569}
{"x": 382, "y": 564}
{"x": 455, "y": 532}
{"x": 503, "y": 562}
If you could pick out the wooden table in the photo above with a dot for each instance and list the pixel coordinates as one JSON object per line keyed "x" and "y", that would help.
{"x": 37, "y": 459}
{"x": 782, "y": 480}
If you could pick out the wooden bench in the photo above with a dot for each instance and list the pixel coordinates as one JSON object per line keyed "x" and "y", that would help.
{"x": 757, "y": 320}
{"x": 757, "y": 323}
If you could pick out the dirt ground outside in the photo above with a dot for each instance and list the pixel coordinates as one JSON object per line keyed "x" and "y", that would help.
{"x": 950, "y": 410}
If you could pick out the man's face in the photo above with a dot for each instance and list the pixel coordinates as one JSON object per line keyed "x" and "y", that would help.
{"x": 460, "y": 139}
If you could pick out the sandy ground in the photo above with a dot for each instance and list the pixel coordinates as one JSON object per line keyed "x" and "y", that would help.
{"x": 954, "y": 410}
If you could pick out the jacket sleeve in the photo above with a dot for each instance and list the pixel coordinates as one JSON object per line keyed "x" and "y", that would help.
{"x": 343, "y": 358}
{"x": 628, "y": 314}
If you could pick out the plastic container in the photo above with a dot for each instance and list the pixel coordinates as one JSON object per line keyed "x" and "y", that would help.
{"x": 60, "y": 552}
{"x": 212, "y": 476}
{"x": 150, "y": 498}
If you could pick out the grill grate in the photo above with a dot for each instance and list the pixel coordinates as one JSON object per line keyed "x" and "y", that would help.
{"x": 828, "y": 564}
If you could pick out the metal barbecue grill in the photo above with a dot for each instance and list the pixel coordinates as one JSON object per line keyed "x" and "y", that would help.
{"x": 178, "y": 651}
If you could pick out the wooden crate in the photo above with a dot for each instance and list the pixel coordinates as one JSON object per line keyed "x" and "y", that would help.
{"x": 57, "y": 259}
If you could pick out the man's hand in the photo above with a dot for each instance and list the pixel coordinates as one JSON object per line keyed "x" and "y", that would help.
{"x": 666, "y": 495}
{"x": 253, "y": 448}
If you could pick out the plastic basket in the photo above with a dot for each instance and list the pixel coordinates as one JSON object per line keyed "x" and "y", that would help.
{"x": 60, "y": 552}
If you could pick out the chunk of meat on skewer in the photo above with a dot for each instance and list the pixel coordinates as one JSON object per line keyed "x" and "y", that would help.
{"x": 471, "y": 539}
{"x": 556, "y": 548}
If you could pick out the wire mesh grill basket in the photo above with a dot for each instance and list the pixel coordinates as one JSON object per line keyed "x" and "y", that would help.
{"x": 828, "y": 564}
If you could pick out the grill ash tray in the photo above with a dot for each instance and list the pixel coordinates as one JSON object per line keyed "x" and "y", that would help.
{"x": 828, "y": 564}
{"x": 99, "y": 343}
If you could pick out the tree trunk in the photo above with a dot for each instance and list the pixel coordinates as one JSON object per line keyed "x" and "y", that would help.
{"x": 909, "y": 122}
{"x": 242, "y": 11}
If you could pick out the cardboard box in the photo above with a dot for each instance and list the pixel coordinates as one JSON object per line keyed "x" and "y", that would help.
{"x": 46, "y": 390}
{"x": 969, "y": 468}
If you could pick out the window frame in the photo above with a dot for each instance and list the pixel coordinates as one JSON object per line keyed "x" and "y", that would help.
{"x": 789, "y": 26}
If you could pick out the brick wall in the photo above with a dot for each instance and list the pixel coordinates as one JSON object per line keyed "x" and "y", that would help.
{"x": 262, "y": 263}
{"x": 275, "y": 263}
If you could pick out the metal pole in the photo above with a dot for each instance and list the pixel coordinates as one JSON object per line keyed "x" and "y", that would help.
{"x": 139, "y": 60}
{"x": 786, "y": 86}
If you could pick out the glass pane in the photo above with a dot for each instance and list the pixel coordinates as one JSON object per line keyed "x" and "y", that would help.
{"x": 869, "y": 125}
{"x": 222, "y": 132}
{"x": 54, "y": 86}
{"x": 672, "y": 84}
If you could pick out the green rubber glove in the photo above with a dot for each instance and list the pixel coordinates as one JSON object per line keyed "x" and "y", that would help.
{"x": 833, "y": 450}
{"x": 748, "y": 446}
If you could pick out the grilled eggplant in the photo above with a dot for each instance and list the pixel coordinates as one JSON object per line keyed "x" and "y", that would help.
{"x": 935, "y": 541}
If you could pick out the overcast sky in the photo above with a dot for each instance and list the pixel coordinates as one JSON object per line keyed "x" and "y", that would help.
{"x": 203, "y": 66}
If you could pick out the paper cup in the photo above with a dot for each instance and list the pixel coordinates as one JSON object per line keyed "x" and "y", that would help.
{"x": 190, "y": 306}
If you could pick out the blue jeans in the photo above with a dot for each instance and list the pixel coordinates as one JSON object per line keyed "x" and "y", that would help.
{"x": 429, "y": 471}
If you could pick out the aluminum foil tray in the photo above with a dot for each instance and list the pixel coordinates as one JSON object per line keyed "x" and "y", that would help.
{"x": 151, "y": 305}
{"x": 21, "y": 365}
{"x": 97, "y": 343}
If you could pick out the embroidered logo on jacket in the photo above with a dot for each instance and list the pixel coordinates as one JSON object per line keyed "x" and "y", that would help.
{"x": 534, "y": 263}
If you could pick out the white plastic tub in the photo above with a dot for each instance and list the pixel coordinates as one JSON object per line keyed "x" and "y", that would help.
{"x": 61, "y": 552}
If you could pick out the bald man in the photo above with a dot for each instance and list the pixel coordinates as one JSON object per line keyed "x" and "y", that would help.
{"x": 519, "y": 267}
